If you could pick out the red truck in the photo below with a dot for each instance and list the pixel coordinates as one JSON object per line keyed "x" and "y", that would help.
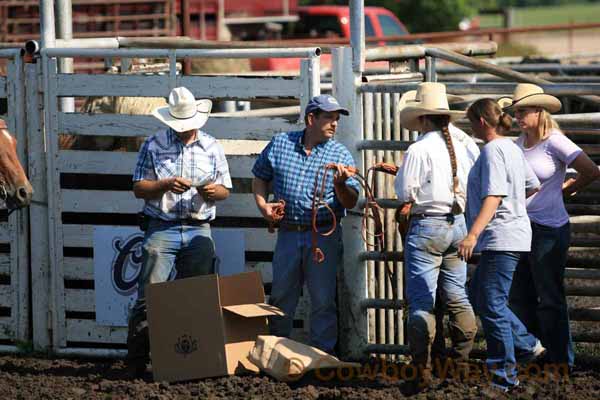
{"x": 316, "y": 22}
{"x": 209, "y": 19}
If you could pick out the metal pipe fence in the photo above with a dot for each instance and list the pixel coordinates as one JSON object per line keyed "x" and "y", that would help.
{"x": 384, "y": 138}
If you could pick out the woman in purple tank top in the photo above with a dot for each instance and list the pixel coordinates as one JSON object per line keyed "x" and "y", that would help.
{"x": 538, "y": 294}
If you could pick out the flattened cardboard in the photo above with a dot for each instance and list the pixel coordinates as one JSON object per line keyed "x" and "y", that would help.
{"x": 287, "y": 360}
{"x": 209, "y": 322}
{"x": 182, "y": 347}
{"x": 237, "y": 357}
{"x": 254, "y": 310}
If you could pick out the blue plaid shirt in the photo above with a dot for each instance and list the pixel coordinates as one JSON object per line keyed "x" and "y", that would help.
{"x": 293, "y": 173}
{"x": 164, "y": 155}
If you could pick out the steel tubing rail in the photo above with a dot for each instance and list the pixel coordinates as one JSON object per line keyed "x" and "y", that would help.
{"x": 9, "y": 53}
{"x": 387, "y": 53}
{"x": 180, "y": 53}
{"x": 493, "y": 88}
{"x": 389, "y": 304}
{"x": 379, "y": 348}
{"x": 381, "y": 256}
{"x": 483, "y": 66}
{"x": 537, "y": 67}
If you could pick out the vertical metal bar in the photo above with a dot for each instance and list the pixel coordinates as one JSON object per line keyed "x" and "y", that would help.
{"x": 381, "y": 313}
{"x": 354, "y": 329}
{"x": 64, "y": 20}
{"x": 125, "y": 65}
{"x": 357, "y": 34}
{"x": 368, "y": 155}
{"x": 310, "y": 75}
{"x": 388, "y": 189}
{"x": 48, "y": 34}
{"x": 40, "y": 264}
{"x": 397, "y": 135}
{"x": 430, "y": 75}
{"x": 173, "y": 83}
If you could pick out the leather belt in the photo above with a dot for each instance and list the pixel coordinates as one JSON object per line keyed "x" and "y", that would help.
{"x": 449, "y": 217}
{"x": 187, "y": 221}
{"x": 301, "y": 228}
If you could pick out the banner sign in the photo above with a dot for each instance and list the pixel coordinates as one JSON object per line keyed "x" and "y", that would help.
{"x": 118, "y": 263}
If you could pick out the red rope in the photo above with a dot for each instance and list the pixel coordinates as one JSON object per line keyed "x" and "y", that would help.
{"x": 372, "y": 211}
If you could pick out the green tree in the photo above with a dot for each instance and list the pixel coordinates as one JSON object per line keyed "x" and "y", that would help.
{"x": 434, "y": 15}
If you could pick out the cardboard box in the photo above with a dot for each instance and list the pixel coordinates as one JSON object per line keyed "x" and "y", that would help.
{"x": 205, "y": 326}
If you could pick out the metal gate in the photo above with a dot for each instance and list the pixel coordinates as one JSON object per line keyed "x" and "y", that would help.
{"x": 14, "y": 230}
{"x": 76, "y": 207}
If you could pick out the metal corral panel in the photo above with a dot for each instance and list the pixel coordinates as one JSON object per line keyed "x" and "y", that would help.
{"x": 72, "y": 242}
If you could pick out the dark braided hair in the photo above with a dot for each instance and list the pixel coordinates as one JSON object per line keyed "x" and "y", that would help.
{"x": 441, "y": 122}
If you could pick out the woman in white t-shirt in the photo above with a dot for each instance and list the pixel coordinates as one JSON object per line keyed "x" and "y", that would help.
{"x": 538, "y": 292}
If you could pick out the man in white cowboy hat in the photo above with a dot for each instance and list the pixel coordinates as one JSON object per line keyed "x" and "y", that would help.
{"x": 180, "y": 173}
{"x": 433, "y": 179}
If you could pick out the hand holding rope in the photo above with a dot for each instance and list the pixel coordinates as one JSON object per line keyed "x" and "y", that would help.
{"x": 278, "y": 212}
{"x": 372, "y": 210}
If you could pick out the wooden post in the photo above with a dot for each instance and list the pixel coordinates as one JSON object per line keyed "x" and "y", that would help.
{"x": 19, "y": 221}
{"x": 186, "y": 30}
{"x": 38, "y": 210}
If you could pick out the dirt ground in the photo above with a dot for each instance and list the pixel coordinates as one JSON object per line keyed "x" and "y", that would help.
{"x": 25, "y": 377}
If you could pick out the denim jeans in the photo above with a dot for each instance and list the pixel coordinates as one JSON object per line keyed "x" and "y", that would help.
{"x": 431, "y": 253}
{"x": 505, "y": 334}
{"x": 537, "y": 295}
{"x": 292, "y": 266}
{"x": 168, "y": 245}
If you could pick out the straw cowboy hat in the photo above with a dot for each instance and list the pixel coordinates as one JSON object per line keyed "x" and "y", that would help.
{"x": 530, "y": 95}
{"x": 430, "y": 98}
{"x": 184, "y": 112}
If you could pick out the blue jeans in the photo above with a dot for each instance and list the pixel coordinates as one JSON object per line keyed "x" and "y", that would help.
{"x": 430, "y": 253}
{"x": 167, "y": 245}
{"x": 292, "y": 266}
{"x": 537, "y": 295}
{"x": 505, "y": 334}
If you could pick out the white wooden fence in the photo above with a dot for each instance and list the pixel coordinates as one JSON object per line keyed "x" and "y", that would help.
{"x": 14, "y": 230}
{"x": 76, "y": 209}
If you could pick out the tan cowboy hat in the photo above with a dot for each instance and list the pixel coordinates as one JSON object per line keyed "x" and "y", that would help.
{"x": 415, "y": 95}
{"x": 430, "y": 99}
{"x": 530, "y": 95}
{"x": 184, "y": 112}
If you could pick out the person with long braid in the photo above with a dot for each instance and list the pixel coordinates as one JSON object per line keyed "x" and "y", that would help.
{"x": 433, "y": 179}
{"x": 499, "y": 228}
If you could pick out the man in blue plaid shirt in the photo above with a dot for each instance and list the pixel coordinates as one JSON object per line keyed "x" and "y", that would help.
{"x": 290, "y": 163}
{"x": 181, "y": 172}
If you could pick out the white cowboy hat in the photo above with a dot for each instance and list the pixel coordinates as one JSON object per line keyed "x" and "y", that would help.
{"x": 530, "y": 95}
{"x": 430, "y": 99}
{"x": 184, "y": 112}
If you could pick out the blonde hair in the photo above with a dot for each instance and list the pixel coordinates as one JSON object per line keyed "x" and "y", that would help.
{"x": 546, "y": 123}
{"x": 490, "y": 111}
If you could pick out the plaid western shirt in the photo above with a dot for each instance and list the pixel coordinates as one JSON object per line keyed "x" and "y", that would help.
{"x": 164, "y": 156}
{"x": 293, "y": 173}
